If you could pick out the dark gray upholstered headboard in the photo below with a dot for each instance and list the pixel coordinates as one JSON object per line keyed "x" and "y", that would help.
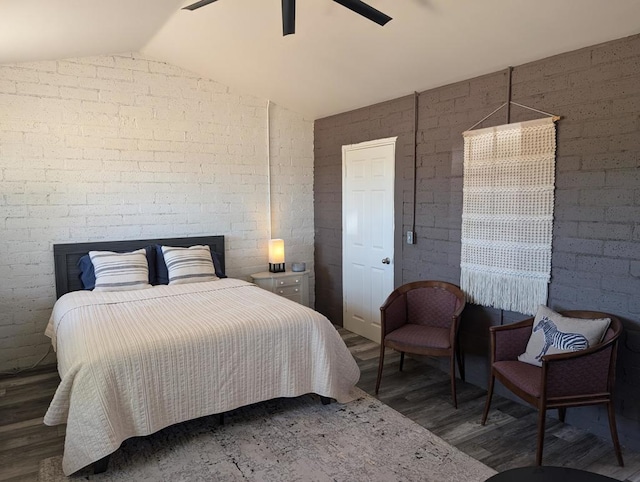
{"x": 66, "y": 256}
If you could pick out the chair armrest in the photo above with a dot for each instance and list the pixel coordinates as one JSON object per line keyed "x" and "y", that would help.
{"x": 393, "y": 313}
{"x": 579, "y": 373}
{"x": 509, "y": 341}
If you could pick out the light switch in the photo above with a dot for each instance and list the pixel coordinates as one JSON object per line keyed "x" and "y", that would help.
{"x": 409, "y": 237}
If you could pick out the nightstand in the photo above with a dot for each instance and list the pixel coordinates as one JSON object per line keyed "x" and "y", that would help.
{"x": 291, "y": 285}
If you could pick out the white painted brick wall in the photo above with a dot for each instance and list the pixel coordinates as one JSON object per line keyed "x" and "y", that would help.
{"x": 125, "y": 147}
{"x": 292, "y": 187}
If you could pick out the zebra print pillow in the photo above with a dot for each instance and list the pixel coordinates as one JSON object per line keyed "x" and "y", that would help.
{"x": 553, "y": 333}
{"x": 120, "y": 271}
{"x": 189, "y": 265}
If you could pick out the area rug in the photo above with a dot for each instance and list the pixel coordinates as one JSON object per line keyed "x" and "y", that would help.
{"x": 289, "y": 439}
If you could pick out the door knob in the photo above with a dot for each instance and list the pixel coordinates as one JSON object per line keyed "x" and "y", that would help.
{"x": 386, "y": 261}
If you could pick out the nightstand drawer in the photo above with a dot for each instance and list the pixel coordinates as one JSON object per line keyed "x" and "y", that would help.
{"x": 288, "y": 281}
{"x": 288, "y": 290}
{"x": 290, "y": 285}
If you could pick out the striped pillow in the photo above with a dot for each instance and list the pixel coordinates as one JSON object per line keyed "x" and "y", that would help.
{"x": 189, "y": 265}
{"x": 120, "y": 271}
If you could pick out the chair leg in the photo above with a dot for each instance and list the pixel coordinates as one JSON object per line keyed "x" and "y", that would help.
{"x": 401, "y": 360}
{"x": 562, "y": 412}
{"x": 614, "y": 432}
{"x": 380, "y": 363}
{"x": 453, "y": 380}
{"x": 460, "y": 356}
{"x": 460, "y": 363}
{"x": 487, "y": 405}
{"x": 542, "y": 413}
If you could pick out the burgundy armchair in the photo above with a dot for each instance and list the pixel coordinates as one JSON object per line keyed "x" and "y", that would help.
{"x": 571, "y": 379}
{"x": 423, "y": 318}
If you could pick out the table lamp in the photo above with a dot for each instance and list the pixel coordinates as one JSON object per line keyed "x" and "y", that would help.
{"x": 276, "y": 255}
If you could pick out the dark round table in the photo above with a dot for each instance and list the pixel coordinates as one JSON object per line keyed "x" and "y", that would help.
{"x": 547, "y": 474}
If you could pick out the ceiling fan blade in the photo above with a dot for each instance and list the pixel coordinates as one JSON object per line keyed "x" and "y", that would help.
{"x": 365, "y": 10}
{"x": 288, "y": 17}
{"x": 197, "y": 5}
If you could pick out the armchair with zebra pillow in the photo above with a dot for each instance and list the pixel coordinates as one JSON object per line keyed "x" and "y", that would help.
{"x": 553, "y": 333}
{"x": 569, "y": 360}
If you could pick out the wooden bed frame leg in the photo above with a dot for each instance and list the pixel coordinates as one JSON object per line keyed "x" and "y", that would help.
{"x": 325, "y": 400}
{"x": 101, "y": 465}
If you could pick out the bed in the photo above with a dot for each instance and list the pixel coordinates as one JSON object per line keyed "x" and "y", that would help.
{"x": 134, "y": 362}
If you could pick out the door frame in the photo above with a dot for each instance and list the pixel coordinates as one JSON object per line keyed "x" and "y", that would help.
{"x": 397, "y": 208}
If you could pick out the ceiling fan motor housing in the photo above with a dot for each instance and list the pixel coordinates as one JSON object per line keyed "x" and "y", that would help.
{"x": 289, "y": 12}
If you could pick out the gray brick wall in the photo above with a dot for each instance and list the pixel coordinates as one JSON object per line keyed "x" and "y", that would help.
{"x": 596, "y": 247}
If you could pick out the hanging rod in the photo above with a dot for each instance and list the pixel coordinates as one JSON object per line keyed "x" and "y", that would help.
{"x": 555, "y": 117}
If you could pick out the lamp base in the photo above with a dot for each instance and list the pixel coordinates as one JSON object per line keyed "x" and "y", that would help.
{"x": 276, "y": 267}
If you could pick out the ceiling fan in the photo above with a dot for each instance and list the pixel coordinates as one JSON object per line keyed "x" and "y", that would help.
{"x": 289, "y": 12}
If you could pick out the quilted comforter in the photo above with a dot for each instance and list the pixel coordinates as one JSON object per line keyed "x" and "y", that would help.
{"x": 134, "y": 362}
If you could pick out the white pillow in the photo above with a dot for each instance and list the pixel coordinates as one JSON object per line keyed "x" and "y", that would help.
{"x": 189, "y": 265}
{"x": 553, "y": 333}
{"x": 120, "y": 271}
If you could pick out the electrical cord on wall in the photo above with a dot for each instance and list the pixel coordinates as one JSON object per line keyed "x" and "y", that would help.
{"x": 20, "y": 370}
{"x": 416, "y": 102}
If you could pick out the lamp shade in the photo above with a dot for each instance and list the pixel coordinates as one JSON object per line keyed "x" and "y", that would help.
{"x": 276, "y": 251}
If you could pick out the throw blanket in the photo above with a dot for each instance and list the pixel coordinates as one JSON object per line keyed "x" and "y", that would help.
{"x": 134, "y": 362}
{"x": 507, "y": 218}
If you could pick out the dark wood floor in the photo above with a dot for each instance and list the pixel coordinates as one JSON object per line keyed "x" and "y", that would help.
{"x": 420, "y": 392}
{"x": 24, "y": 439}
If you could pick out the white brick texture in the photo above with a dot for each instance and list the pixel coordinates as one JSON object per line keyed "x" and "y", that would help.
{"x": 126, "y": 147}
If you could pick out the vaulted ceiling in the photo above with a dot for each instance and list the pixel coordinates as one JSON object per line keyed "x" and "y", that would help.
{"x": 336, "y": 61}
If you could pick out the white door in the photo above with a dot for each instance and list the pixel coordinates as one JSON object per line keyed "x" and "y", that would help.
{"x": 368, "y": 171}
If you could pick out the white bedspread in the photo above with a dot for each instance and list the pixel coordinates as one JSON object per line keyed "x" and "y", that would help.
{"x": 134, "y": 362}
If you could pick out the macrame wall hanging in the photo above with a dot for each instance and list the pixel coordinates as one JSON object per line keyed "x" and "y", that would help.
{"x": 507, "y": 219}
